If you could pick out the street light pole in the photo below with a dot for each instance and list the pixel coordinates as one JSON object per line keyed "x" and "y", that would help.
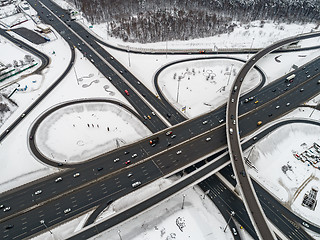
{"x": 119, "y": 234}
{"x": 250, "y": 47}
{"x": 129, "y": 56}
{"x": 44, "y": 224}
{"x": 179, "y": 79}
{"x": 232, "y": 213}
{"x": 183, "y": 197}
{"x": 230, "y": 74}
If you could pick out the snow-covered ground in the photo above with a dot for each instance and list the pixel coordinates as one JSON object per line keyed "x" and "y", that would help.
{"x": 84, "y": 81}
{"x": 81, "y": 131}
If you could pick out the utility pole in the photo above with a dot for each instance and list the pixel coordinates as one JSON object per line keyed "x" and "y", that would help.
{"x": 44, "y": 224}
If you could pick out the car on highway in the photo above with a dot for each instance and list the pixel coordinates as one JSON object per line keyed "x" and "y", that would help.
{"x": 134, "y": 155}
{"x": 7, "y": 209}
{"x": 136, "y": 184}
{"x": 270, "y": 115}
{"x": 256, "y": 102}
{"x": 251, "y": 98}
{"x": 277, "y": 107}
{"x": 9, "y": 226}
{"x": 129, "y": 174}
{"x": 234, "y": 231}
{"x": 149, "y": 117}
{"x": 234, "y": 122}
{"x": 221, "y": 120}
{"x": 255, "y": 138}
{"x": 76, "y": 175}
{"x": 179, "y": 152}
{"x": 305, "y": 224}
{"x": 1, "y": 206}
{"x": 145, "y": 117}
{"x": 232, "y": 100}
{"x": 99, "y": 168}
{"x": 168, "y": 115}
{"x": 126, "y": 152}
{"x": 59, "y": 179}
{"x": 208, "y": 139}
{"x": 128, "y": 162}
{"x": 301, "y": 90}
{"x": 168, "y": 133}
{"x": 173, "y": 136}
{"x": 288, "y": 104}
{"x": 205, "y": 122}
{"x": 246, "y": 100}
{"x": 153, "y": 113}
{"x": 243, "y": 173}
{"x": 259, "y": 123}
{"x": 67, "y": 210}
{"x": 31, "y": 137}
{"x": 169, "y": 144}
{"x": 38, "y": 192}
{"x": 230, "y": 131}
{"x": 116, "y": 160}
{"x": 126, "y": 92}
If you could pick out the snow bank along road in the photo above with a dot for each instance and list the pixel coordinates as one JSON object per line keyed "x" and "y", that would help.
{"x": 161, "y": 164}
{"x": 250, "y": 199}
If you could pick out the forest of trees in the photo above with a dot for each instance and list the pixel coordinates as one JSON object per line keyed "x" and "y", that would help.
{"x": 161, "y": 20}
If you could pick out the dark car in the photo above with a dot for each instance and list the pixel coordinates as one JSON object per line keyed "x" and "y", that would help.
{"x": 99, "y": 168}
{"x": 9, "y": 226}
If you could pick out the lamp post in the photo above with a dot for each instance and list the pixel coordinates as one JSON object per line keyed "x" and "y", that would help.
{"x": 179, "y": 79}
{"x": 44, "y": 224}
{"x": 232, "y": 213}
{"x": 129, "y": 56}
{"x": 206, "y": 193}
{"x": 183, "y": 197}
{"x": 250, "y": 47}
{"x": 119, "y": 234}
{"x": 230, "y": 74}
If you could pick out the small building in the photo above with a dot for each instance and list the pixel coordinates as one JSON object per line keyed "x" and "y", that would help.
{"x": 310, "y": 199}
{"x": 43, "y": 28}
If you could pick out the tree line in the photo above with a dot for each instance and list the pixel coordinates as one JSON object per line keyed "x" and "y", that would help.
{"x": 156, "y": 20}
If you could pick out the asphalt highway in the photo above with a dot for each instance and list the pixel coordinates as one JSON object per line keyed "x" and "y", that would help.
{"x": 165, "y": 166}
{"x": 233, "y": 138}
{"x": 191, "y": 151}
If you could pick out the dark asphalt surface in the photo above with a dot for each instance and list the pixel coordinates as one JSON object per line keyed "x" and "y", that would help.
{"x": 233, "y": 139}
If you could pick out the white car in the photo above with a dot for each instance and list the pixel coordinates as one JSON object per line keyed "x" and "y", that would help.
{"x": 287, "y": 104}
{"x": 277, "y": 107}
{"x": 153, "y": 113}
{"x": 6, "y": 209}
{"x": 179, "y": 152}
{"x": 305, "y": 224}
{"x": 76, "y": 174}
{"x": 208, "y": 139}
{"x": 136, "y": 184}
{"x": 59, "y": 179}
{"x": 116, "y": 160}
{"x": 38, "y": 192}
{"x": 221, "y": 121}
{"x": 67, "y": 210}
{"x": 129, "y": 174}
{"x": 234, "y": 231}
{"x": 204, "y": 122}
{"x": 134, "y": 155}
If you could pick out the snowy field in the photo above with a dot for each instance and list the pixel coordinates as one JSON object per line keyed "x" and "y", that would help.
{"x": 199, "y": 219}
{"x": 81, "y": 131}
{"x": 202, "y": 86}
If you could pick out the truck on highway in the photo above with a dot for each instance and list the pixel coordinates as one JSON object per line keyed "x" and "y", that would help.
{"x": 291, "y": 77}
